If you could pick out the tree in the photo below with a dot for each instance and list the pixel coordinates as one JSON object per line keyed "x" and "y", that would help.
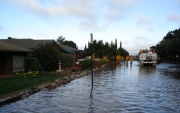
{"x": 85, "y": 47}
{"x": 11, "y": 38}
{"x": 105, "y": 49}
{"x": 60, "y": 39}
{"x": 70, "y": 44}
{"x": 168, "y": 48}
{"x": 123, "y": 52}
{"x": 120, "y": 45}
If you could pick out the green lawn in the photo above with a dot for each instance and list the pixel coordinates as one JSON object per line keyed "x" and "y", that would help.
{"x": 18, "y": 82}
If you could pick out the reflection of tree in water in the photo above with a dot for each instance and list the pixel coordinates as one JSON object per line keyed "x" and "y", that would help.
{"x": 127, "y": 65}
{"x": 117, "y": 65}
{"x": 147, "y": 70}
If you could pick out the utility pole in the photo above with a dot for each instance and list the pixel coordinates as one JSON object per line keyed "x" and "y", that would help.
{"x": 91, "y": 48}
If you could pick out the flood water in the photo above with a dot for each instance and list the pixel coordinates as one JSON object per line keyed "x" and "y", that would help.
{"x": 118, "y": 89}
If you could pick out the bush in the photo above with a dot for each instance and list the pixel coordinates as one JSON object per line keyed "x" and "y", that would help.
{"x": 47, "y": 55}
{"x": 86, "y": 64}
{"x": 66, "y": 60}
{"x": 102, "y": 61}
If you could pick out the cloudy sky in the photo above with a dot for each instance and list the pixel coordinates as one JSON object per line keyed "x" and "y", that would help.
{"x": 139, "y": 24}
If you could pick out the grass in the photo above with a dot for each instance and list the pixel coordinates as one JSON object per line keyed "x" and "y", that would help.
{"x": 18, "y": 82}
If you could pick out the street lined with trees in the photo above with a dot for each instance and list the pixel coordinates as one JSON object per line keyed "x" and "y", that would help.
{"x": 105, "y": 49}
{"x": 169, "y": 47}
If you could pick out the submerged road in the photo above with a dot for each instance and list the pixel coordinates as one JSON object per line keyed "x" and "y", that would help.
{"x": 119, "y": 88}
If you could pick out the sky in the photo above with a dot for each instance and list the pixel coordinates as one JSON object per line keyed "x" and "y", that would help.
{"x": 138, "y": 24}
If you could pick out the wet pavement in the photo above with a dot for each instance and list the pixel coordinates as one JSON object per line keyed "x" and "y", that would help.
{"x": 117, "y": 88}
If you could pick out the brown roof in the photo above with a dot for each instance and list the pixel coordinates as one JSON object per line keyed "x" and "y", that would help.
{"x": 27, "y": 43}
{"x": 32, "y": 44}
{"x": 12, "y": 48}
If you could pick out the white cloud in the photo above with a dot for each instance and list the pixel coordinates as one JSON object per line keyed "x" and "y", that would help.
{"x": 143, "y": 20}
{"x": 174, "y": 17}
{"x": 142, "y": 39}
{"x": 76, "y": 8}
{"x": 115, "y": 9}
{"x": 178, "y": 3}
{"x": 92, "y": 26}
{"x": 32, "y": 5}
{"x": 1, "y": 28}
{"x": 83, "y": 9}
{"x": 142, "y": 43}
{"x": 90, "y": 15}
{"x": 121, "y": 4}
{"x": 139, "y": 43}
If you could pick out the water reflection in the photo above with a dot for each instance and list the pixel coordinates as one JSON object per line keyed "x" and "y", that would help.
{"x": 117, "y": 65}
{"x": 91, "y": 100}
{"x": 147, "y": 70}
{"x": 127, "y": 65}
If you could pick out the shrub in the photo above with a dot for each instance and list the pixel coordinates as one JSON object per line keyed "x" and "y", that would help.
{"x": 66, "y": 60}
{"x": 47, "y": 54}
{"x": 86, "y": 64}
{"x": 102, "y": 61}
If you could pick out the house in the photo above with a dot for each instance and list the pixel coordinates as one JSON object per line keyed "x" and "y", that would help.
{"x": 9, "y": 57}
{"x": 11, "y": 50}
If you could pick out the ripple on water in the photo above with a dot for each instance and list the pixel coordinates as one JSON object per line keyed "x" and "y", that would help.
{"x": 126, "y": 88}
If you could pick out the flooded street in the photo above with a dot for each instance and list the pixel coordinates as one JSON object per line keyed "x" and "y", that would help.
{"x": 120, "y": 88}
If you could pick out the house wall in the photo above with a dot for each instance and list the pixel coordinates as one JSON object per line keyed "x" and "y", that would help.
{"x": 76, "y": 67}
{"x": 2, "y": 64}
{"x": 6, "y": 62}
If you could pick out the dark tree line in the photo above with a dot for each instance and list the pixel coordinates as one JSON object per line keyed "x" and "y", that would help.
{"x": 169, "y": 47}
{"x": 105, "y": 49}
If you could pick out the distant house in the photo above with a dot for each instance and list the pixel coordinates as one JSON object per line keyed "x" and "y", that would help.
{"x": 11, "y": 50}
{"x": 9, "y": 57}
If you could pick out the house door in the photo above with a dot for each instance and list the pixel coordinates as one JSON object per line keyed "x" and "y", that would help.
{"x": 3, "y": 64}
{"x": 18, "y": 63}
